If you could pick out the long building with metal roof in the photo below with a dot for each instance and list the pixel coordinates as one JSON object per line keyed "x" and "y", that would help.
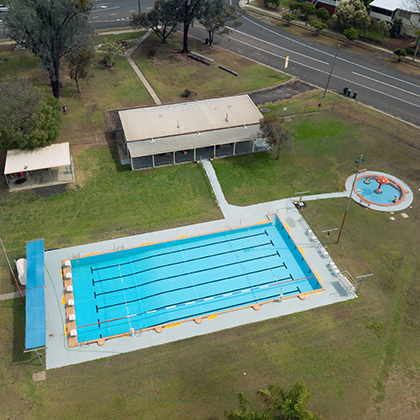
{"x": 190, "y": 131}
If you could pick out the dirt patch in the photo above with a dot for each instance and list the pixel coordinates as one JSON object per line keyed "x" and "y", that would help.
{"x": 46, "y": 192}
{"x": 155, "y": 61}
{"x": 277, "y": 93}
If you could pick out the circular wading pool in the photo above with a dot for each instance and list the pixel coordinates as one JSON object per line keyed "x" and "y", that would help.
{"x": 380, "y": 191}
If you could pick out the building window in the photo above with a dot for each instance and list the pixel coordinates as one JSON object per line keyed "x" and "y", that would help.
{"x": 404, "y": 15}
{"x": 381, "y": 11}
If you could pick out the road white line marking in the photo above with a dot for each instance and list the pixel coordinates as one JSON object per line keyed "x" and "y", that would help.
{"x": 333, "y": 75}
{"x": 320, "y": 51}
{"x": 131, "y": 11}
{"x": 106, "y": 9}
{"x": 289, "y": 52}
{"x": 386, "y": 84}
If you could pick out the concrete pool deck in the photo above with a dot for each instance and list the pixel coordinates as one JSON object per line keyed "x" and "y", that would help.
{"x": 58, "y": 353}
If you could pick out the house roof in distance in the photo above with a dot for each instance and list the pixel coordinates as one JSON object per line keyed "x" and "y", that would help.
{"x": 394, "y": 5}
{"x": 188, "y": 117}
{"x": 31, "y": 160}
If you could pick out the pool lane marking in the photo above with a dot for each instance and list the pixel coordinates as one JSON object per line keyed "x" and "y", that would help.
{"x": 283, "y": 265}
{"x": 182, "y": 262}
{"x": 247, "y": 303}
{"x": 177, "y": 251}
{"x": 179, "y": 304}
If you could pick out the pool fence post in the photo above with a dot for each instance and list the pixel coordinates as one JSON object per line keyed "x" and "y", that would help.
{"x": 328, "y": 234}
{"x": 360, "y": 282}
{"x": 300, "y": 203}
{"x": 358, "y": 161}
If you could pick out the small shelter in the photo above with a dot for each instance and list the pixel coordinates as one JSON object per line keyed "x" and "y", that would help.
{"x": 189, "y": 131}
{"x": 42, "y": 167}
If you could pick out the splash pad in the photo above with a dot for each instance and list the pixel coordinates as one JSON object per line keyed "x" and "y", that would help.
{"x": 380, "y": 191}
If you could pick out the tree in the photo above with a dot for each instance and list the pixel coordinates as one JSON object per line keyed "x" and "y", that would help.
{"x": 294, "y": 6}
{"x": 187, "y": 12}
{"x": 51, "y": 29}
{"x": 274, "y": 3}
{"x": 288, "y": 17}
{"x": 79, "y": 63}
{"x": 111, "y": 49}
{"x": 350, "y": 14}
{"x": 400, "y": 53}
{"x": 307, "y": 9}
{"x": 216, "y": 15}
{"x": 319, "y": 26}
{"x": 323, "y": 14}
{"x": 351, "y": 35}
{"x": 28, "y": 120}
{"x": 384, "y": 28}
{"x": 272, "y": 129}
{"x": 244, "y": 412}
{"x": 162, "y": 19}
{"x": 278, "y": 405}
{"x": 396, "y": 28}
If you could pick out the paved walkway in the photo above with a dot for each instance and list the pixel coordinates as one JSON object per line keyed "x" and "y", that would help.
{"x": 14, "y": 295}
{"x": 138, "y": 72}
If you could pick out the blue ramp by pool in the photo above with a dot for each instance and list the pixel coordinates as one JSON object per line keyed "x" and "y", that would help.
{"x": 35, "y": 335}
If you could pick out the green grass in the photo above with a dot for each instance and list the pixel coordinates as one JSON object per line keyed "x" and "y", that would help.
{"x": 112, "y": 202}
{"x": 178, "y": 72}
{"x": 323, "y": 149}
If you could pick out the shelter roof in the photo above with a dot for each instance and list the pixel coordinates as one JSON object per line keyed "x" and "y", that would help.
{"x": 31, "y": 160}
{"x": 193, "y": 140}
{"x": 35, "y": 333}
{"x": 188, "y": 117}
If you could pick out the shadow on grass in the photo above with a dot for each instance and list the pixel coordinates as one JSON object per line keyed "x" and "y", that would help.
{"x": 19, "y": 324}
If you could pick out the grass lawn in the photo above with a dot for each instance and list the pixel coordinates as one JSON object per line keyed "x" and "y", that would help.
{"x": 365, "y": 351}
{"x": 175, "y": 72}
{"x": 109, "y": 200}
{"x": 323, "y": 149}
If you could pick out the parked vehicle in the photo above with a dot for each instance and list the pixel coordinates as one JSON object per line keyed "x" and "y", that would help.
{"x": 3, "y": 8}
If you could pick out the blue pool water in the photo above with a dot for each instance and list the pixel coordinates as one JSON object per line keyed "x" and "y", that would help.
{"x": 367, "y": 191}
{"x": 186, "y": 278}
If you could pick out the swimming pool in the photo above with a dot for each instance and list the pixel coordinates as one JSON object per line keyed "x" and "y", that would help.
{"x": 165, "y": 283}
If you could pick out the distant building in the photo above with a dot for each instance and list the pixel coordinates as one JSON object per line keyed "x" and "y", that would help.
{"x": 397, "y": 9}
{"x": 330, "y": 5}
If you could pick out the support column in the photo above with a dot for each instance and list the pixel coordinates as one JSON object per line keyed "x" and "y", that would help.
{"x": 30, "y": 180}
{"x": 49, "y": 170}
{"x": 234, "y": 148}
{"x": 174, "y": 157}
{"x": 214, "y": 153}
{"x": 132, "y": 166}
{"x": 153, "y": 160}
{"x": 195, "y": 155}
{"x": 253, "y": 145}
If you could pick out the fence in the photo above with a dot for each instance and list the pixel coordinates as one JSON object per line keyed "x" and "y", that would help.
{"x": 386, "y": 125}
{"x": 96, "y": 137}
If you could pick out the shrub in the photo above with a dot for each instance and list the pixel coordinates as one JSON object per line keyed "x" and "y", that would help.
{"x": 401, "y": 53}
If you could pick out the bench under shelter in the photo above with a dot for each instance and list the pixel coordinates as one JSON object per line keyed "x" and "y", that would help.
{"x": 42, "y": 167}
{"x": 190, "y": 131}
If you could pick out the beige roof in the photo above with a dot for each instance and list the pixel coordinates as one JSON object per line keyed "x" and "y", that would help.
{"x": 193, "y": 140}
{"x": 31, "y": 160}
{"x": 188, "y": 117}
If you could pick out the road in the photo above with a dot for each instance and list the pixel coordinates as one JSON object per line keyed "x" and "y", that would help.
{"x": 377, "y": 82}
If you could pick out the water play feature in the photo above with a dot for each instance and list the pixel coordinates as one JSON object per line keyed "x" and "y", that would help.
{"x": 382, "y": 192}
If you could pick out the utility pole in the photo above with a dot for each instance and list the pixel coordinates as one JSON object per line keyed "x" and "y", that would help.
{"x": 332, "y": 68}
{"x": 359, "y": 161}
